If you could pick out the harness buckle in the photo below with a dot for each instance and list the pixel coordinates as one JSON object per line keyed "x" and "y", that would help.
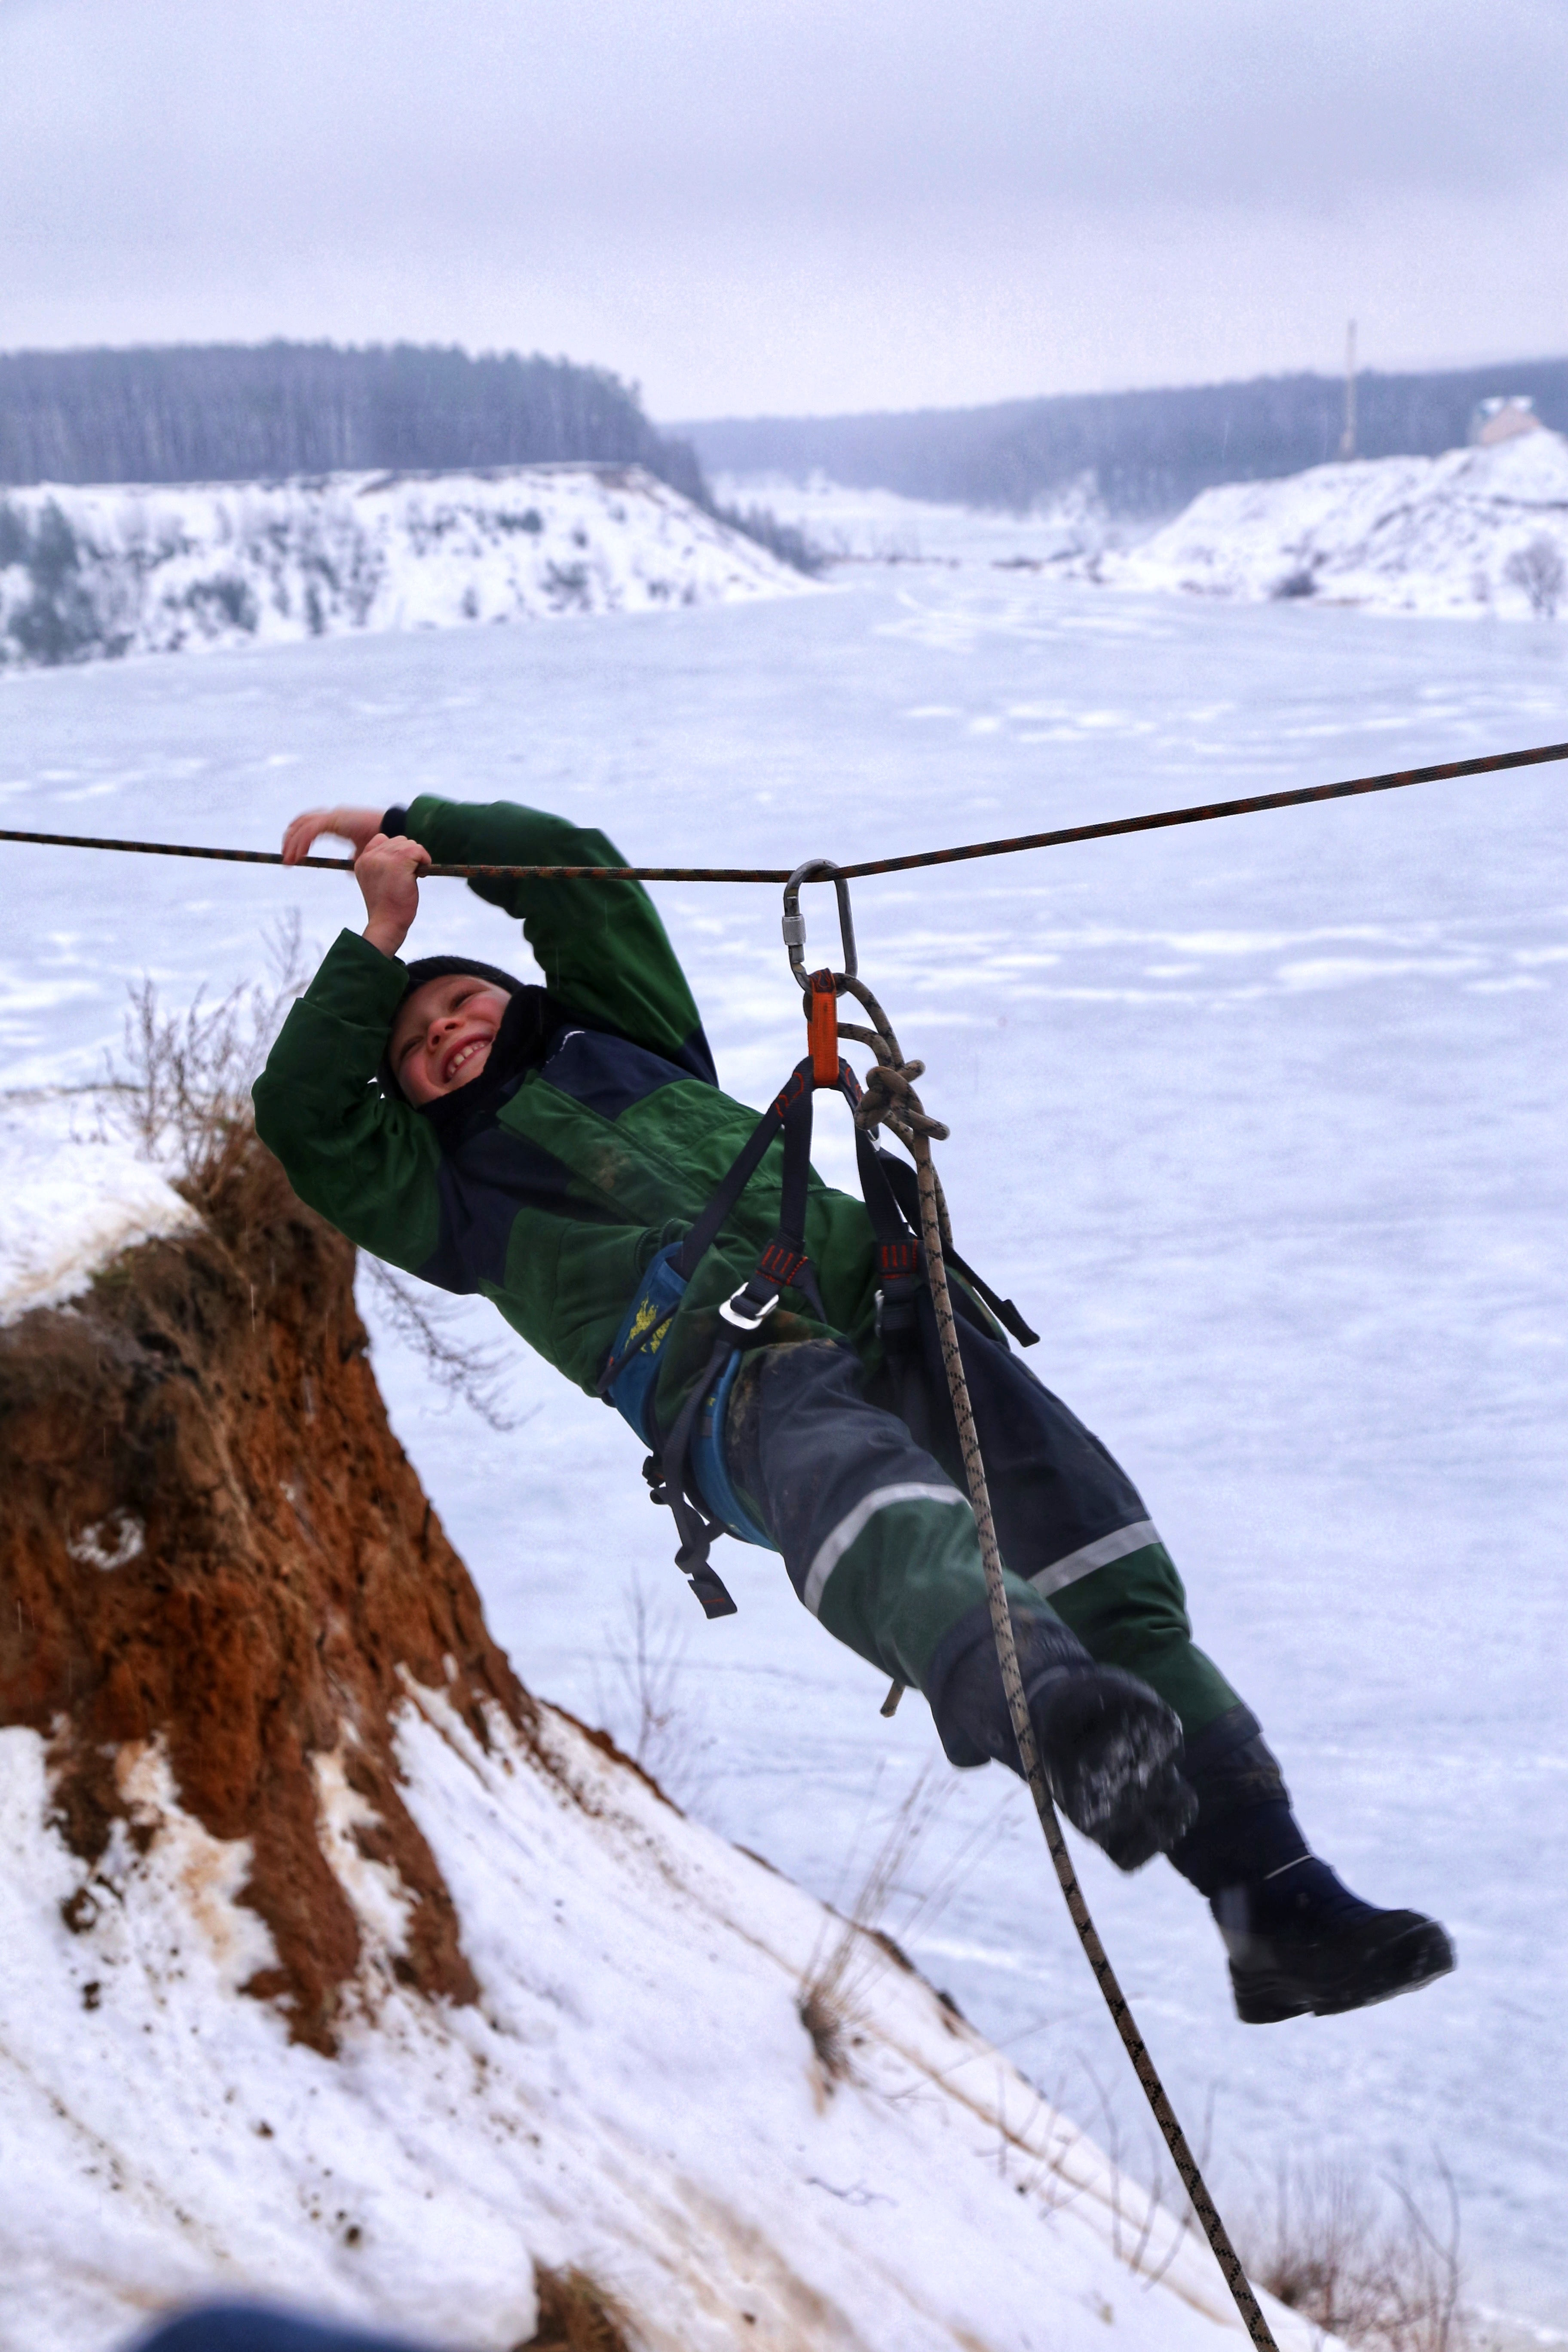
{"x": 731, "y": 1308}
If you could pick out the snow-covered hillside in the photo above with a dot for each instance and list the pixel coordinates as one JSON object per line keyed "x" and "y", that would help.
{"x": 632, "y": 2093}
{"x": 334, "y": 1967}
{"x": 84, "y": 573}
{"x": 1464, "y": 533}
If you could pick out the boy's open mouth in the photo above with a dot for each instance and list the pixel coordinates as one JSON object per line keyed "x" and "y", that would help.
{"x": 461, "y": 1056}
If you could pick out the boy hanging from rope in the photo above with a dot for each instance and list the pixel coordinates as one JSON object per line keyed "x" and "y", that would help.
{"x": 553, "y": 1147}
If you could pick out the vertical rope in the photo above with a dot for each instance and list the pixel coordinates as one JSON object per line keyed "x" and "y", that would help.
{"x": 890, "y": 1100}
{"x": 1143, "y": 2067}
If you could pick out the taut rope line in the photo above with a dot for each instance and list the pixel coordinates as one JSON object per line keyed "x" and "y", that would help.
{"x": 891, "y": 1101}
{"x": 1157, "y": 821}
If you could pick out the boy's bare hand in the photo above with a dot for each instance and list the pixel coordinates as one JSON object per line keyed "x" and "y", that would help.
{"x": 387, "y": 872}
{"x": 358, "y": 825}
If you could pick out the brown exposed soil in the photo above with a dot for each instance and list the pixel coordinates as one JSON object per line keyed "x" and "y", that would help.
{"x": 575, "y": 2315}
{"x": 207, "y": 1418}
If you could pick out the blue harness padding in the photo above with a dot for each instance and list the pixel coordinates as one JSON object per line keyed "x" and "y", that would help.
{"x": 634, "y": 1367}
{"x": 712, "y": 1469}
{"x": 633, "y": 1374}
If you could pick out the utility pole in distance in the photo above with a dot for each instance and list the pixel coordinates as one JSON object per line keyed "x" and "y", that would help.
{"x": 1347, "y": 438}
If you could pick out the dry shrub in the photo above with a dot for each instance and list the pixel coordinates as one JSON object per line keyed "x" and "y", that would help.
{"x": 181, "y": 1088}
{"x": 1363, "y": 2264}
{"x": 425, "y": 1321}
{"x": 1540, "y": 571}
{"x": 576, "y": 2314}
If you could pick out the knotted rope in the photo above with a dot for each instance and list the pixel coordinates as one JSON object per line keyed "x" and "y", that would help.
{"x": 890, "y": 1100}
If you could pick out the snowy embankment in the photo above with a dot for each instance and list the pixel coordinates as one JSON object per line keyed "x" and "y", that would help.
{"x": 1474, "y": 533}
{"x": 109, "y": 571}
{"x": 479, "y": 2002}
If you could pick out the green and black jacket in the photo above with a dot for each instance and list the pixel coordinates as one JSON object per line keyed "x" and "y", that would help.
{"x": 594, "y": 1137}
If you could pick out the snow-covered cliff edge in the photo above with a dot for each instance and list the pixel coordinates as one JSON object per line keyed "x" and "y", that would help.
{"x": 336, "y": 1968}
{"x": 88, "y": 573}
{"x": 1465, "y": 534}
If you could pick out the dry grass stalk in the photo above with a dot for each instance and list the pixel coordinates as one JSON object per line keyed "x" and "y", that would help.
{"x": 853, "y": 1950}
{"x": 1368, "y": 2268}
{"x": 649, "y": 1714}
{"x": 181, "y": 1090}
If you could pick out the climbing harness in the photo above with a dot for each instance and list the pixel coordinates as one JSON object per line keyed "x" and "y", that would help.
{"x": 1155, "y": 822}
{"x": 905, "y": 1266}
{"x": 686, "y": 1468}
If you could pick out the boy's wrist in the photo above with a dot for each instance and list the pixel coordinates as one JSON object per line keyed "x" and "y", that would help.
{"x": 384, "y": 935}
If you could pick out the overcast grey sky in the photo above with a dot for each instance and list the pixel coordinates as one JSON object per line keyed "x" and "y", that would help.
{"x": 796, "y": 205}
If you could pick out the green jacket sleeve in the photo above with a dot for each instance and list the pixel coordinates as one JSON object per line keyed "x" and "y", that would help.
{"x": 366, "y": 1163}
{"x": 600, "y": 945}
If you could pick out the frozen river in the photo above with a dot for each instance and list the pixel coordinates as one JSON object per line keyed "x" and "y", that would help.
{"x": 1262, "y": 1123}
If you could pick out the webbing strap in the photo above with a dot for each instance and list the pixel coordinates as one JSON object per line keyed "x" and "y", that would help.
{"x": 705, "y": 1232}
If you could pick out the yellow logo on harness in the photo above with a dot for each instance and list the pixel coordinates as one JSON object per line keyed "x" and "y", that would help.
{"x": 648, "y": 1329}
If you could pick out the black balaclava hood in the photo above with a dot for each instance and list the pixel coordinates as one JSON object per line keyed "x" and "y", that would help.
{"x": 530, "y": 1019}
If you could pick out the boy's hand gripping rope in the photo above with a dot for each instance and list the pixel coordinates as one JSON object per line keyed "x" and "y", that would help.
{"x": 890, "y": 1100}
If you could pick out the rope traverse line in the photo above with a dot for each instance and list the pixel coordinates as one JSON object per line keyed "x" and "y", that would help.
{"x": 1157, "y": 821}
{"x": 890, "y": 1100}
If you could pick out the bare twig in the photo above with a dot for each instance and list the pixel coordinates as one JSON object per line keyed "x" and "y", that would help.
{"x": 180, "y": 1087}
{"x": 651, "y": 1714}
{"x": 475, "y": 1375}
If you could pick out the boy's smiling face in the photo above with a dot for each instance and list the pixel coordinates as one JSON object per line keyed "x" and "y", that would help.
{"x": 443, "y": 1035}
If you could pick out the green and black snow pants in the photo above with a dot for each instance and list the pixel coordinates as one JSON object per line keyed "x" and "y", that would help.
{"x": 880, "y": 1541}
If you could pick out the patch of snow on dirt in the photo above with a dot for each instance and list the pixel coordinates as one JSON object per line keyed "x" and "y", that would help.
{"x": 73, "y": 1198}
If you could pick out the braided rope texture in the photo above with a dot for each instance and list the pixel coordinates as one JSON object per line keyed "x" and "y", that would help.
{"x": 1156, "y": 820}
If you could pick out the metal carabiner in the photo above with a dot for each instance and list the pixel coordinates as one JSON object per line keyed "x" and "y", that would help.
{"x": 816, "y": 870}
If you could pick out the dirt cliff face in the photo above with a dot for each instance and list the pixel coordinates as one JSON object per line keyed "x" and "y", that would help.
{"x": 212, "y": 1538}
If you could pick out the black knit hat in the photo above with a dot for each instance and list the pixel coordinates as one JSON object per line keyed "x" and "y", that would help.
{"x": 446, "y": 967}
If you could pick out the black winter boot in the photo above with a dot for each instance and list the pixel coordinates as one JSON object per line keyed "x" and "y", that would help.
{"x": 1301, "y": 1943}
{"x": 1111, "y": 1747}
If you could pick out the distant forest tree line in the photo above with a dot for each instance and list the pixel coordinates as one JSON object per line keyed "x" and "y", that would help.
{"x": 232, "y": 413}
{"x": 240, "y": 412}
{"x": 1150, "y": 452}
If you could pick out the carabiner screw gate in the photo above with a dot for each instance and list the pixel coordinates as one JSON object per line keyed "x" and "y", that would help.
{"x": 816, "y": 870}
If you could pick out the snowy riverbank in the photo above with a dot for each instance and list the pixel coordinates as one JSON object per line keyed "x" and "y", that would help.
{"x": 86, "y": 573}
{"x": 385, "y": 2011}
{"x": 1475, "y": 532}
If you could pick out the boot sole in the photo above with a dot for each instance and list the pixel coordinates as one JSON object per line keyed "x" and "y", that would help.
{"x": 1416, "y": 1957}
